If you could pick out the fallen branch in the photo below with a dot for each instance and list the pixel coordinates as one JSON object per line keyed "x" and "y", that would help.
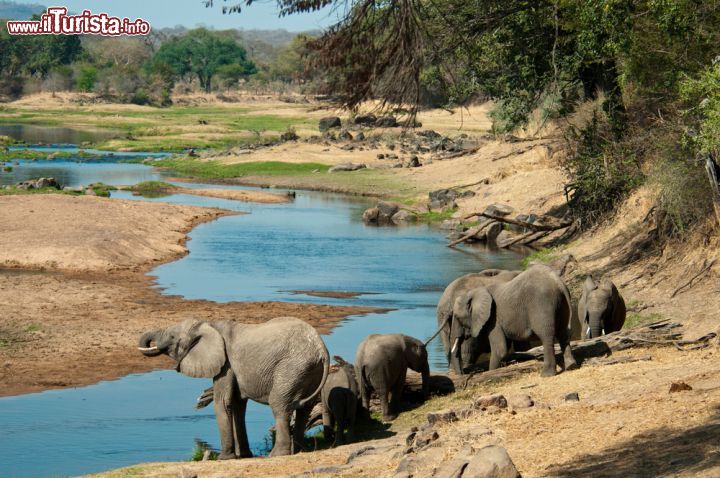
{"x": 706, "y": 267}
{"x": 470, "y": 233}
{"x": 527, "y": 225}
{"x": 482, "y": 181}
{"x": 458, "y": 154}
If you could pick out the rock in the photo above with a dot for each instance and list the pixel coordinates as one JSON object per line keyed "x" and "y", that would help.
{"x": 368, "y": 119}
{"x": 345, "y": 135}
{"x": 402, "y": 474}
{"x": 425, "y": 437}
{"x": 449, "y": 224}
{"x": 359, "y": 452}
{"x": 413, "y": 162}
{"x": 451, "y": 469}
{"x": 360, "y": 136}
{"x": 495, "y": 400}
{"x": 348, "y": 147}
{"x": 410, "y": 438}
{"x": 329, "y": 122}
{"x": 387, "y": 209}
{"x": 498, "y": 209}
{"x": 430, "y": 134}
{"x": 371, "y": 215}
{"x": 572, "y": 397}
{"x": 386, "y": 122}
{"x": 492, "y": 232}
{"x": 380, "y": 156}
{"x": 40, "y": 183}
{"x": 446, "y": 196}
{"x": 441, "y": 417}
{"x": 491, "y": 462}
{"x": 403, "y": 217}
{"x": 346, "y": 167}
{"x": 289, "y": 136}
{"x": 329, "y": 469}
{"x": 518, "y": 402}
{"x": 464, "y": 413}
{"x": 679, "y": 387}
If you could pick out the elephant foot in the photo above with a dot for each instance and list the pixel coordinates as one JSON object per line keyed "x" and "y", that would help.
{"x": 246, "y": 454}
{"x": 280, "y": 452}
{"x": 388, "y": 418}
{"x": 548, "y": 372}
{"x": 572, "y": 366}
{"x": 226, "y": 455}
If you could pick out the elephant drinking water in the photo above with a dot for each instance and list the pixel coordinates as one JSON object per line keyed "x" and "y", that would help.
{"x": 282, "y": 363}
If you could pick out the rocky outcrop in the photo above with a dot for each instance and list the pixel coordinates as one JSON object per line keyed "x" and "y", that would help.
{"x": 388, "y": 214}
{"x": 41, "y": 183}
{"x": 329, "y": 122}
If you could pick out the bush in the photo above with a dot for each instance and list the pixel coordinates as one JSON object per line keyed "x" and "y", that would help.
{"x": 86, "y": 78}
{"x": 601, "y": 171}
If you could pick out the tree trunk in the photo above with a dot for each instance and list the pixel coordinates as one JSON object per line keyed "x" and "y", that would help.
{"x": 713, "y": 171}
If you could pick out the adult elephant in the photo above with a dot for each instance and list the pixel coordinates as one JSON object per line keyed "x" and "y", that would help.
{"x": 381, "y": 364}
{"x": 601, "y": 309}
{"x": 449, "y": 330}
{"x": 282, "y": 363}
{"x": 535, "y": 303}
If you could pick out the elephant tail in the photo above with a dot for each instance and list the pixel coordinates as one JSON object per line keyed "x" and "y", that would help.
{"x": 326, "y": 370}
{"x": 437, "y": 332}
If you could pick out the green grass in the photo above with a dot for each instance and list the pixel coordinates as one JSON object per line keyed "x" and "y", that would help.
{"x": 33, "y": 328}
{"x": 13, "y": 191}
{"x": 436, "y": 216}
{"x": 542, "y": 255}
{"x": 152, "y": 189}
{"x": 217, "y": 170}
{"x": 635, "y": 319}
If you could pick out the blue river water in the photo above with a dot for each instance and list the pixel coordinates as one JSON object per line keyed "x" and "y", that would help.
{"x": 316, "y": 242}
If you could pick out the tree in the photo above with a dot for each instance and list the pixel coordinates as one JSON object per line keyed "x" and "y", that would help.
{"x": 202, "y": 53}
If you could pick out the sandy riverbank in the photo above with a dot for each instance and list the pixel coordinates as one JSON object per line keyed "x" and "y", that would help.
{"x": 77, "y": 295}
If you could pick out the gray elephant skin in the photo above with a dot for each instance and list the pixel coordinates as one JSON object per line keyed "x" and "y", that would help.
{"x": 535, "y": 303}
{"x": 340, "y": 400}
{"x": 450, "y": 330}
{"x": 601, "y": 309}
{"x": 381, "y": 364}
{"x": 282, "y": 363}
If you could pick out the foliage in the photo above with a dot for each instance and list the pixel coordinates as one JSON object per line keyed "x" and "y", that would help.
{"x": 86, "y": 78}
{"x": 541, "y": 255}
{"x": 203, "y": 53}
{"x": 701, "y": 94}
{"x": 217, "y": 170}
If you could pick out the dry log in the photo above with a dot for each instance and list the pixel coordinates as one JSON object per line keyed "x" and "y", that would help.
{"x": 472, "y": 232}
{"x": 527, "y": 225}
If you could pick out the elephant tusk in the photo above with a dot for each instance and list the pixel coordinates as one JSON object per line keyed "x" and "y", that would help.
{"x": 454, "y": 347}
{"x": 148, "y": 349}
{"x": 587, "y": 332}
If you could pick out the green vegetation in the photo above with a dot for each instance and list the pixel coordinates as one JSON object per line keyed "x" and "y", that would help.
{"x": 635, "y": 319}
{"x": 8, "y": 169}
{"x": 102, "y": 189}
{"x": 12, "y": 190}
{"x": 152, "y": 189}
{"x": 542, "y": 255}
{"x": 217, "y": 170}
{"x": 436, "y": 216}
{"x": 33, "y": 328}
{"x": 199, "y": 451}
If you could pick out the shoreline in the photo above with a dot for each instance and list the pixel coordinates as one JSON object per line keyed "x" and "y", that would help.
{"x": 69, "y": 327}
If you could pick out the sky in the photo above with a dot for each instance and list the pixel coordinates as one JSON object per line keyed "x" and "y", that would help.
{"x": 262, "y": 15}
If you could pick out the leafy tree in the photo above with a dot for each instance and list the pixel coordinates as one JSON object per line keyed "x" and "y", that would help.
{"x": 202, "y": 53}
{"x": 86, "y": 78}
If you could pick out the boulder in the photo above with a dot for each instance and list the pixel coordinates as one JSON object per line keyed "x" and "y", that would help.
{"x": 498, "y": 210}
{"x": 518, "y": 402}
{"x": 368, "y": 119}
{"x": 491, "y": 462}
{"x": 413, "y": 162}
{"x": 451, "y": 469}
{"x": 430, "y": 134}
{"x": 572, "y": 397}
{"x": 345, "y": 135}
{"x": 360, "y": 136}
{"x": 371, "y": 215}
{"x": 386, "y": 122}
{"x": 329, "y": 122}
{"x": 403, "y": 217}
{"x": 447, "y": 196}
{"x": 441, "y": 417}
{"x": 495, "y": 400}
{"x": 40, "y": 183}
{"x": 387, "y": 209}
{"x": 346, "y": 167}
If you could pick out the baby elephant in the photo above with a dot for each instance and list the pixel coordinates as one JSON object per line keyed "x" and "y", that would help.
{"x": 340, "y": 399}
{"x": 381, "y": 364}
{"x": 601, "y": 309}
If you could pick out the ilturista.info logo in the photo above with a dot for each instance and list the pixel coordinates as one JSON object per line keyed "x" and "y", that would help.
{"x": 56, "y": 21}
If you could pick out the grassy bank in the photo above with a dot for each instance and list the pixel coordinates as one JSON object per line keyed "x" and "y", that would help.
{"x": 217, "y": 170}
{"x": 165, "y": 129}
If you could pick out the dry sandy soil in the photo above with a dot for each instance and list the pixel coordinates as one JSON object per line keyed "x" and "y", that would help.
{"x": 75, "y": 297}
{"x": 626, "y": 424}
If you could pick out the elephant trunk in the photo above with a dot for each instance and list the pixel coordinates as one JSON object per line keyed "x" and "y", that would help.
{"x": 596, "y": 327}
{"x": 145, "y": 344}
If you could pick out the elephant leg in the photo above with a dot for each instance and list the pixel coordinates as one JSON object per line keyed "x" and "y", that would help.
{"x": 282, "y": 432}
{"x": 327, "y": 423}
{"x": 498, "y": 347}
{"x": 223, "y": 398}
{"x": 568, "y": 359}
{"x": 351, "y": 418}
{"x": 301, "y": 419}
{"x": 397, "y": 391}
{"x": 548, "y": 356}
{"x": 340, "y": 431}
{"x": 241, "y": 439}
{"x": 385, "y": 404}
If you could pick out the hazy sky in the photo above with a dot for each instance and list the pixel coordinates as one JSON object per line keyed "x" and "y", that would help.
{"x": 190, "y": 13}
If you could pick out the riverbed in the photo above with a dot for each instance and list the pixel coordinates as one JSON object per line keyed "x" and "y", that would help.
{"x": 317, "y": 242}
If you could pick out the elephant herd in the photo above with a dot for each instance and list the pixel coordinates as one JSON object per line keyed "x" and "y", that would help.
{"x": 284, "y": 363}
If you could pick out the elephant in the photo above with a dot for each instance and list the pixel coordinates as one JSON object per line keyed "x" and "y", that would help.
{"x": 340, "y": 399}
{"x": 601, "y": 309}
{"x": 449, "y": 329}
{"x": 282, "y": 363}
{"x": 535, "y": 303}
{"x": 381, "y": 364}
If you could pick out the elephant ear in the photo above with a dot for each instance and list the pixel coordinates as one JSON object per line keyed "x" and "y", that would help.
{"x": 207, "y": 357}
{"x": 589, "y": 285}
{"x": 481, "y": 306}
